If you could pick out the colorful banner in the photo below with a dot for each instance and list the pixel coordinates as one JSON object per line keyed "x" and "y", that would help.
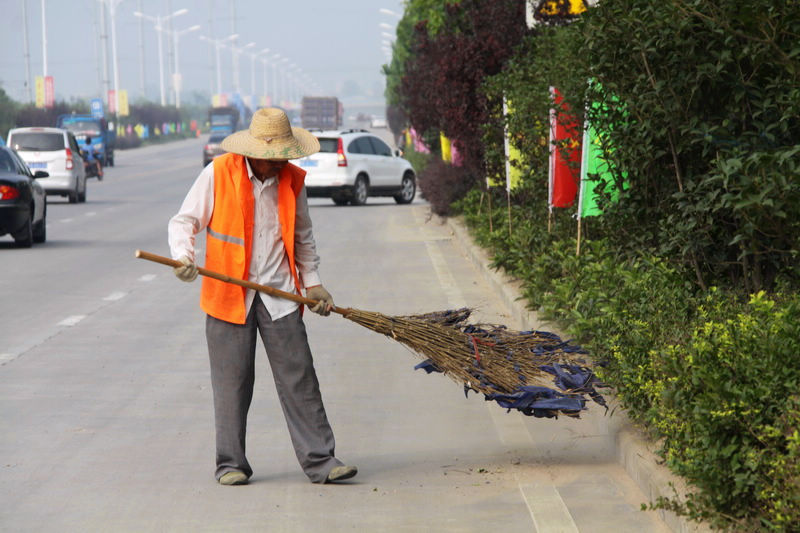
{"x": 123, "y": 103}
{"x": 512, "y": 153}
{"x": 112, "y": 101}
{"x": 39, "y": 92}
{"x": 419, "y": 145}
{"x": 565, "y": 153}
{"x": 596, "y": 170}
{"x": 445, "y": 143}
{"x": 49, "y": 92}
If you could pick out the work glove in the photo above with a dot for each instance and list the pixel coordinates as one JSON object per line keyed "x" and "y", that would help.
{"x": 186, "y": 272}
{"x": 323, "y": 298}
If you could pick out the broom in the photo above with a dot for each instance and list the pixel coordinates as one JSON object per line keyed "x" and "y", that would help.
{"x": 514, "y": 368}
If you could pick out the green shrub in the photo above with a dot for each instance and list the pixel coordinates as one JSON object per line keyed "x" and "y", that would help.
{"x": 728, "y": 412}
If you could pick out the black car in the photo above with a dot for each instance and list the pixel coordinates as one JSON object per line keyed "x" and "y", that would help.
{"x": 23, "y": 203}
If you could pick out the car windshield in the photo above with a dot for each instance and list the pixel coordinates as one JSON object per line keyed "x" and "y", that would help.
{"x": 37, "y": 142}
{"x": 216, "y": 139}
{"x": 85, "y": 127}
{"x": 328, "y": 146}
{"x": 221, "y": 120}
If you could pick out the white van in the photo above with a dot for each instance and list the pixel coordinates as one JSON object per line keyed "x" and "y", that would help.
{"x": 55, "y": 151}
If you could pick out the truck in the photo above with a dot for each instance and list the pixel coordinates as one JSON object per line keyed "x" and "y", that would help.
{"x": 103, "y": 139}
{"x": 322, "y": 112}
{"x": 223, "y": 120}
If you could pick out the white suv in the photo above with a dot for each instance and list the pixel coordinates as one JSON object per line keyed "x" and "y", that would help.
{"x": 353, "y": 165}
{"x": 55, "y": 151}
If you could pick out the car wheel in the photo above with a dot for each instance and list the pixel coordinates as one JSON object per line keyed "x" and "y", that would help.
{"x": 339, "y": 199}
{"x": 73, "y": 196}
{"x": 24, "y": 239}
{"x": 408, "y": 189}
{"x": 360, "y": 191}
{"x": 40, "y": 228}
{"x": 82, "y": 194}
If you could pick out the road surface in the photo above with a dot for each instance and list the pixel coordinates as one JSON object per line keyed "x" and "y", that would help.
{"x": 106, "y": 419}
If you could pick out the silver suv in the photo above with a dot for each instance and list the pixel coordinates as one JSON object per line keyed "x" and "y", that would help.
{"x": 355, "y": 164}
{"x": 56, "y": 152}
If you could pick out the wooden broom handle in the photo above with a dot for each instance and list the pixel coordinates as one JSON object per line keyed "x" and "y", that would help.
{"x": 272, "y": 291}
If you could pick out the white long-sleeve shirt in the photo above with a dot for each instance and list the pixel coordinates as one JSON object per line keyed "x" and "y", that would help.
{"x": 269, "y": 264}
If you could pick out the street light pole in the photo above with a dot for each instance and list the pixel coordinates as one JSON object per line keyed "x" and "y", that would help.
{"x": 236, "y": 51}
{"x": 158, "y": 21}
{"x": 217, "y": 46}
{"x": 44, "y": 40}
{"x": 176, "y": 82}
{"x": 104, "y": 50}
{"x": 27, "y": 50}
{"x": 112, "y": 12}
{"x": 275, "y": 96}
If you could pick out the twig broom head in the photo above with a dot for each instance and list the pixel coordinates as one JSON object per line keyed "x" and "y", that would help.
{"x": 517, "y": 369}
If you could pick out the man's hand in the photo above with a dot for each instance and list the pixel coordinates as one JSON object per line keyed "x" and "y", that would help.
{"x": 323, "y": 298}
{"x": 187, "y": 272}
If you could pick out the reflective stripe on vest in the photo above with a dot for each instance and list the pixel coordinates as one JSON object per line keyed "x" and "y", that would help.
{"x": 226, "y": 238}
{"x": 230, "y": 233}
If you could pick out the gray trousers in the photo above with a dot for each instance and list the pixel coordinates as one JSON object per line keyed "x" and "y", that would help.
{"x": 231, "y": 349}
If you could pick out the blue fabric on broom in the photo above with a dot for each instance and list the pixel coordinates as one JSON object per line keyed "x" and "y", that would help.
{"x": 540, "y": 402}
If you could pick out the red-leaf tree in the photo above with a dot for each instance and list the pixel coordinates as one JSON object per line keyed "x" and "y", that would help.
{"x": 441, "y": 89}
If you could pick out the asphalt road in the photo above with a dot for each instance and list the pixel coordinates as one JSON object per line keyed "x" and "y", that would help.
{"x": 106, "y": 419}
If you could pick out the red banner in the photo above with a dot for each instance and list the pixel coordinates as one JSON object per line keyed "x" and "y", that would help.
{"x": 49, "y": 92}
{"x": 112, "y": 101}
{"x": 565, "y": 153}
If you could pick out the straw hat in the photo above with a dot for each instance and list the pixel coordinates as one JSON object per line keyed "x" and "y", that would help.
{"x": 271, "y": 137}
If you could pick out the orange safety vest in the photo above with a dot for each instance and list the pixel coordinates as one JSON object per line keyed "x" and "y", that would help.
{"x": 229, "y": 235}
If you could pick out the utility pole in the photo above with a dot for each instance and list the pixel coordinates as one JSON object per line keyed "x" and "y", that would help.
{"x": 44, "y": 41}
{"x": 28, "y": 85}
{"x": 141, "y": 55}
{"x": 112, "y": 11}
{"x": 104, "y": 49}
{"x": 211, "y": 49}
{"x": 234, "y": 49}
{"x": 170, "y": 53}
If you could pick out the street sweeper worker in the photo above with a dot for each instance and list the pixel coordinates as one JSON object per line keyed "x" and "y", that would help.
{"x": 252, "y": 205}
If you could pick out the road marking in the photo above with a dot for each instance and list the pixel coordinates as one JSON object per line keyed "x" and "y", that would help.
{"x": 71, "y": 320}
{"x": 114, "y": 296}
{"x": 548, "y": 511}
{"x": 66, "y": 220}
{"x": 148, "y": 277}
{"x": 6, "y": 357}
{"x": 91, "y": 213}
{"x": 547, "y": 508}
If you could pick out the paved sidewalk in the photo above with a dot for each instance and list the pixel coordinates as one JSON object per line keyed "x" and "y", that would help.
{"x": 614, "y": 437}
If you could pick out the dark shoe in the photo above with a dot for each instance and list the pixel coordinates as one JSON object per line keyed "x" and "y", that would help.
{"x": 340, "y": 473}
{"x": 233, "y": 478}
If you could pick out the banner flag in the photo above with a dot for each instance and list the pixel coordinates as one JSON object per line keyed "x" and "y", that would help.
{"x": 40, "y": 91}
{"x": 124, "y": 111}
{"x": 419, "y": 145}
{"x": 49, "y": 92}
{"x": 445, "y": 143}
{"x": 565, "y": 153}
{"x": 512, "y": 154}
{"x": 597, "y": 168}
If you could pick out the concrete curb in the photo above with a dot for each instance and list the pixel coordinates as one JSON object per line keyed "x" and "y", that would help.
{"x": 634, "y": 452}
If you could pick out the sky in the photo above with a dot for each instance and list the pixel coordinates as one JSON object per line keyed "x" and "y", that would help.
{"x": 337, "y": 44}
